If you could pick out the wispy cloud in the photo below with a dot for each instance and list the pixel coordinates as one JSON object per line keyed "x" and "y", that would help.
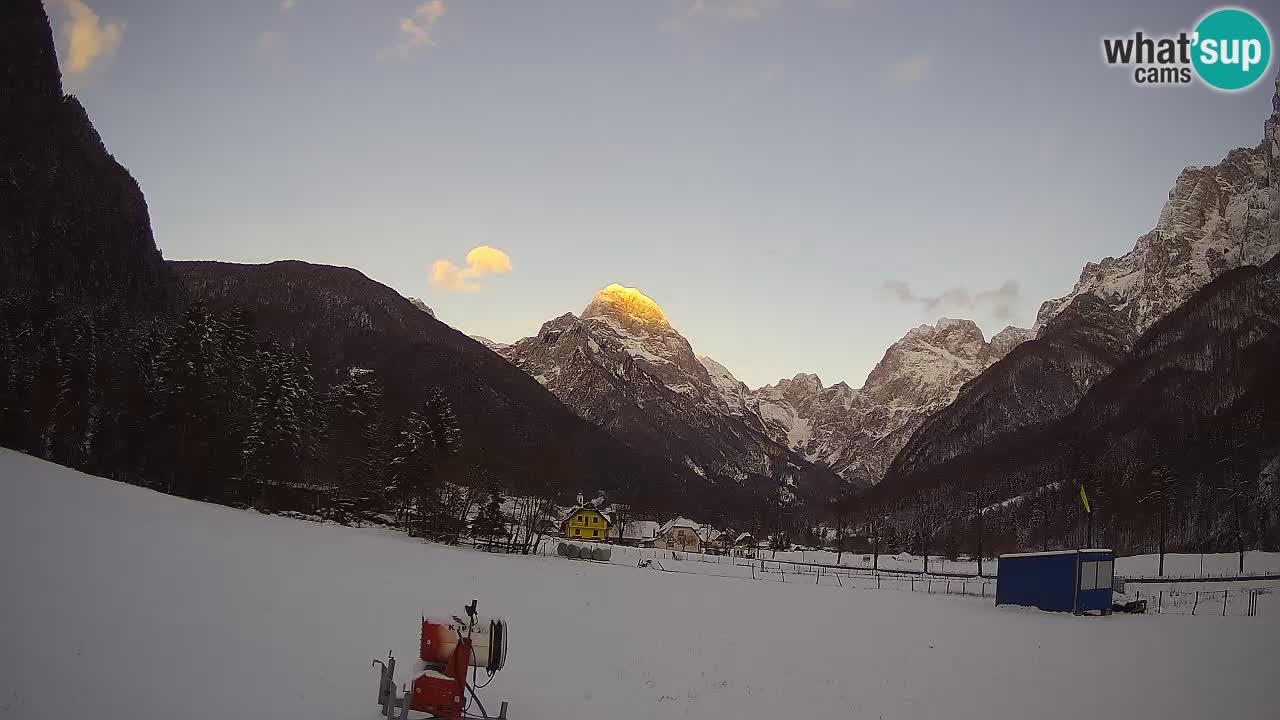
{"x": 271, "y": 41}
{"x": 288, "y": 5}
{"x": 999, "y": 301}
{"x": 910, "y": 71}
{"x": 686, "y": 12}
{"x": 480, "y": 261}
{"x": 89, "y": 39}
{"x": 416, "y": 29}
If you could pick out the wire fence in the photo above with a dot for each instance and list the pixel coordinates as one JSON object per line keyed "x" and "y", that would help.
{"x": 1242, "y": 602}
{"x": 1233, "y": 602}
{"x": 790, "y": 571}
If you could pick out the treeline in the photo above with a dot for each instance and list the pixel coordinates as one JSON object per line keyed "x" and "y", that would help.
{"x": 196, "y": 406}
{"x": 1209, "y": 488}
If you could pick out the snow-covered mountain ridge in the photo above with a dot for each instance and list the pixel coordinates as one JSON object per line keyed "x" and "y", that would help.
{"x": 623, "y": 366}
{"x": 857, "y": 432}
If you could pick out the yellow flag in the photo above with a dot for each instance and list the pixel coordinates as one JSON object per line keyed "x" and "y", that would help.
{"x": 1085, "y": 499}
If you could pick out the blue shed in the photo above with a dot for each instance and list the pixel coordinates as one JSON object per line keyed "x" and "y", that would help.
{"x": 1062, "y": 580}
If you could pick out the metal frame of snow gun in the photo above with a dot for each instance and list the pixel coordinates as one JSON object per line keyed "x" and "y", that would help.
{"x": 396, "y": 705}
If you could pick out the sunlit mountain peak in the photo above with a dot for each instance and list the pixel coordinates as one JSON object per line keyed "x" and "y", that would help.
{"x": 628, "y": 302}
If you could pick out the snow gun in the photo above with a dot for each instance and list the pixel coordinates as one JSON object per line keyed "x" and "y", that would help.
{"x": 448, "y": 649}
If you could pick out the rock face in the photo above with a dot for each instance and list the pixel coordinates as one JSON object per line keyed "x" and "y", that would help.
{"x": 1217, "y": 218}
{"x": 493, "y": 345}
{"x": 1038, "y": 381}
{"x": 858, "y": 432}
{"x": 511, "y": 426}
{"x": 622, "y": 366}
{"x": 28, "y": 61}
{"x": 74, "y": 227}
{"x": 418, "y": 303}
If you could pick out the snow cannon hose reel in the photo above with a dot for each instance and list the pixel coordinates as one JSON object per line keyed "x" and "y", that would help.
{"x": 449, "y": 647}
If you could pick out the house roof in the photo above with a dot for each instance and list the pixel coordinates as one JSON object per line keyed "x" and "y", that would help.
{"x": 636, "y": 530}
{"x": 743, "y": 536}
{"x": 682, "y": 522}
{"x": 579, "y": 508}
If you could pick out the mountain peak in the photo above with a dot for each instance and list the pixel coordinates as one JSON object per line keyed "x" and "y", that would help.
{"x": 28, "y": 63}
{"x": 618, "y": 300}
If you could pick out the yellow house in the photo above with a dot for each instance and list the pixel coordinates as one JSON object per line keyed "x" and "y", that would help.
{"x": 586, "y": 523}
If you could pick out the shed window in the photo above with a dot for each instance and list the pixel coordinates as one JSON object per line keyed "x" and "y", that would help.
{"x": 1088, "y": 575}
{"x": 1104, "y": 574}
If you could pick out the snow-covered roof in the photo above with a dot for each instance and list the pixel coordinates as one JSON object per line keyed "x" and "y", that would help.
{"x": 743, "y": 536}
{"x": 682, "y": 522}
{"x": 637, "y": 530}
{"x": 579, "y": 508}
{"x": 1055, "y": 552}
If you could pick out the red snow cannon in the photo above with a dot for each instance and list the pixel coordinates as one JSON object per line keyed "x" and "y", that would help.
{"x": 449, "y": 647}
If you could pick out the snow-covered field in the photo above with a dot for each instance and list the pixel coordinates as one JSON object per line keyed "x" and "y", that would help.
{"x": 122, "y": 603}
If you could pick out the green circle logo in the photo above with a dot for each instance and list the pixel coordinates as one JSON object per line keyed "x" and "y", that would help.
{"x": 1232, "y": 49}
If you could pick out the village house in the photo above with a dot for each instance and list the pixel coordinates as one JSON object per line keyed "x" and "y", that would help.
{"x": 679, "y": 534}
{"x": 585, "y": 523}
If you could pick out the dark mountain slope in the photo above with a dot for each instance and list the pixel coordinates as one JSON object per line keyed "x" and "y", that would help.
{"x": 79, "y": 268}
{"x": 74, "y": 223}
{"x": 511, "y": 425}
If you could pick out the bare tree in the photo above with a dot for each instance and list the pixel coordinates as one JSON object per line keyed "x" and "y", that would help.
{"x": 530, "y": 515}
{"x": 1162, "y": 493}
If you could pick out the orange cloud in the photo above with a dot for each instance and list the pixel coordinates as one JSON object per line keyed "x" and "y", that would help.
{"x": 482, "y": 260}
{"x": 416, "y": 29}
{"x": 88, "y": 37}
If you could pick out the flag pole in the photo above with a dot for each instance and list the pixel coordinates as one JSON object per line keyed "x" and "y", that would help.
{"x": 1088, "y": 511}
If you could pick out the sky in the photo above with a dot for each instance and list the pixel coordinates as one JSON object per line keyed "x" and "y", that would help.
{"x": 796, "y": 182}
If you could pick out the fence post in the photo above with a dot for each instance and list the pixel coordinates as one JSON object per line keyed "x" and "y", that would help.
{"x": 1196, "y": 604}
{"x": 1160, "y": 603}
{"x": 1224, "y": 603}
{"x": 817, "y": 577}
{"x": 877, "y": 581}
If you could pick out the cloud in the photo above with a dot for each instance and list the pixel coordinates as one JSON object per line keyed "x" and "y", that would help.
{"x": 837, "y": 4}
{"x": 735, "y": 10}
{"x": 910, "y": 71}
{"x": 416, "y": 29}
{"x": 288, "y": 5}
{"x": 684, "y": 12}
{"x": 482, "y": 260}
{"x": 271, "y": 41}
{"x": 999, "y": 302}
{"x": 89, "y": 39}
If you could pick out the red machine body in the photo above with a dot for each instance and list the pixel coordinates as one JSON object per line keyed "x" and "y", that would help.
{"x": 440, "y": 683}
